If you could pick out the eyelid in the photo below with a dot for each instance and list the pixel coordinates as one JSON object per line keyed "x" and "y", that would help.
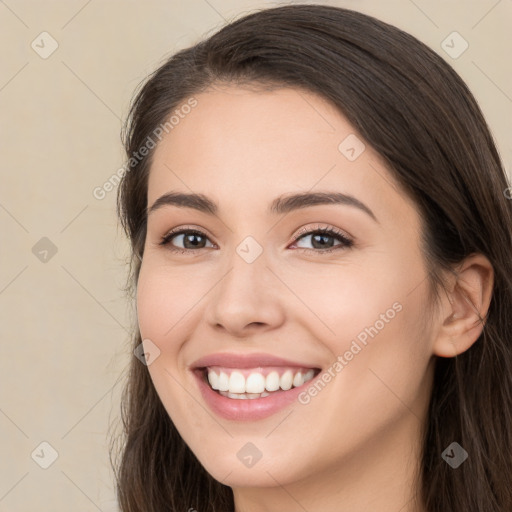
{"x": 309, "y": 229}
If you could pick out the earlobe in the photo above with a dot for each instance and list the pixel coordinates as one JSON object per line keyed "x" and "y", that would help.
{"x": 464, "y": 312}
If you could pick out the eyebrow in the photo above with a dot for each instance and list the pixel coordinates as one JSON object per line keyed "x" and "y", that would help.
{"x": 280, "y": 205}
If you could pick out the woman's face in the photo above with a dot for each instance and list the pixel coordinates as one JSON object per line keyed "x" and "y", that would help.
{"x": 259, "y": 299}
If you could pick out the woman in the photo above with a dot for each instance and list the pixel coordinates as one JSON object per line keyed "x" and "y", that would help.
{"x": 321, "y": 263}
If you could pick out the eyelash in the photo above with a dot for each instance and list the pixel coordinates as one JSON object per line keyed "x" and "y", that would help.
{"x": 346, "y": 242}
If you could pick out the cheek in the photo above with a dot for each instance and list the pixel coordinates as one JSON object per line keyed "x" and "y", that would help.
{"x": 337, "y": 302}
{"x": 160, "y": 307}
{"x": 372, "y": 314}
{"x": 151, "y": 304}
{"x": 164, "y": 298}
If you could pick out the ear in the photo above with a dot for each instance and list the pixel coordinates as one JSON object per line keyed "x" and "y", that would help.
{"x": 466, "y": 302}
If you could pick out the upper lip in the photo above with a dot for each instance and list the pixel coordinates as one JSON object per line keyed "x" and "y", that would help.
{"x": 233, "y": 360}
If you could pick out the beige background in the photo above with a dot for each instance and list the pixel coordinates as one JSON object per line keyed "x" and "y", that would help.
{"x": 64, "y": 321}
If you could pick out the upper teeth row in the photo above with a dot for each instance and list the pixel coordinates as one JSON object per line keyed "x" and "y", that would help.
{"x": 256, "y": 382}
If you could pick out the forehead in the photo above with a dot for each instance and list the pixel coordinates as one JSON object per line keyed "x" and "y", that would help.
{"x": 241, "y": 119}
{"x": 244, "y": 147}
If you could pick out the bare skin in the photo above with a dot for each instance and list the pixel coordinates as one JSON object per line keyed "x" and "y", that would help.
{"x": 355, "y": 445}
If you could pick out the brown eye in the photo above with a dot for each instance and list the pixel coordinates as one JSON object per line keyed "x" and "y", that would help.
{"x": 323, "y": 239}
{"x": 190, "y": 239}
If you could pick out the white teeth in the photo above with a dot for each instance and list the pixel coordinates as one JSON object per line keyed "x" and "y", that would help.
{"x": 245, "y": 396}
{"x": 223, "y": 381}
{"x": 255, "y": 395}
{"x": 213, "y": 379}
{"x": 298, "y": 380}
{"x": 272, "y": 381}
{"x": 236, "y": 383}
{"x": 309, "y": 375}
{"x": 287, "y": 380}
{"x": 237, "y": 396}
{"x": 256, "y": 385}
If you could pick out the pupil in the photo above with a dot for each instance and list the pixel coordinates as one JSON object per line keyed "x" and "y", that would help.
{"x": 189, "y": 237}
{"x": 323, "y": 237}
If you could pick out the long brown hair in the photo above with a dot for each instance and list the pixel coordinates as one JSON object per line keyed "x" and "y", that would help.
{"x": 415, "y": 111}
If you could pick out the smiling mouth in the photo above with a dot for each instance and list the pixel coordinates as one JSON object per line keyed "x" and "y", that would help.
{"x": 252, "y": 383}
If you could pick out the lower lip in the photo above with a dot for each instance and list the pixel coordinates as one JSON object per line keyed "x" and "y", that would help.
{"x": 249, "y": 409}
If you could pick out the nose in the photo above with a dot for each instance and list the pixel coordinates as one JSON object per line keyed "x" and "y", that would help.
{"x": 247, "y": 298}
